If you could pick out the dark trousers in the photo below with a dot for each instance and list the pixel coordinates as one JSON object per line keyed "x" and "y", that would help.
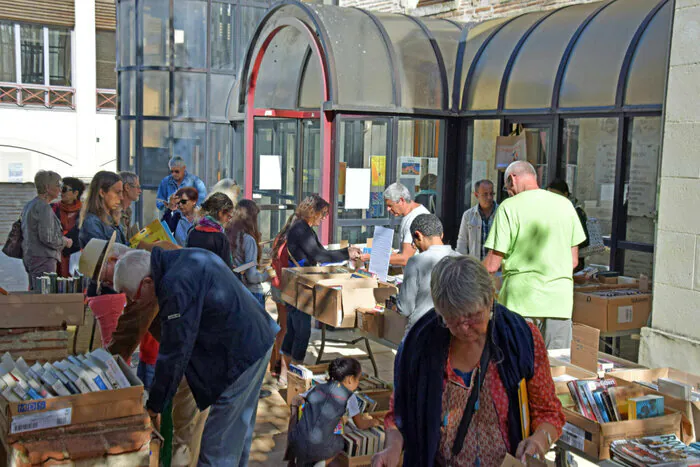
{"x": 298, "y": 334}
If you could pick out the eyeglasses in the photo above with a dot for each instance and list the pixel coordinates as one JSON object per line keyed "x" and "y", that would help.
{"x": 183, "y": 201}
{"x": 66, "y": 189}
{"x": 175, "y": 171}
{"x": 138, "y": 187}
{"x": 470, "y": 321}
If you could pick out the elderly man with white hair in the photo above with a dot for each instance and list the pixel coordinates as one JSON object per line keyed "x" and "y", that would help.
{"x": 536, "y": 235}
{"x": 212, "y": 331}
{"x": 178, "y": 178}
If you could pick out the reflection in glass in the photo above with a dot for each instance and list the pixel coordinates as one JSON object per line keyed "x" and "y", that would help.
{"x": 127, "y": 145}
{"x": 537, "y": 138}
{"x": 190, "y": 95}
{"x": 189, "y": 142}
{"x": 156, "y": 40}
{"x": 220, "y": 88}
{"x": 419, "y": 149}
{"x": 106, "y": 60}
{"x": 219, "y": 153}
{"x": 7, "y": 53}
{"x": 589, "y": 152}
{"x": 638, "y": 262}
{"x": 642, "y": 177}
{"x": 127, "y": 93}
{"x": 155, "y": 153}
{"x": 222, "y": 36}
{"x": 482, "y": 152}
{"x": 311, "y": 157}
{"x": 364, "y": 144}
{"x": 356, "y": 234}
{"x": 59, "y": 57}
{"x": 190, "y": 35}
{"x": 127, "y": 34}
{"x": 156, "y": 92}
{"x": 32, "y": 53}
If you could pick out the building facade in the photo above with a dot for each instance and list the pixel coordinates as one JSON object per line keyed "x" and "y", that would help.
{"x": 57, "y": 88}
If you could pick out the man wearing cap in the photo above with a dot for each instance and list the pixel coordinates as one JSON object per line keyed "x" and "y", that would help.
{"x": 214, "y": 333}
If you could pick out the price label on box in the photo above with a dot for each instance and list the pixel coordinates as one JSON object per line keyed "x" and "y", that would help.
{"x": 41, "y": 421}
{"x": 625, "y": 314}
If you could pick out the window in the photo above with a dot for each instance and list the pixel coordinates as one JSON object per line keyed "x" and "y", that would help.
{"x": 106, "y": 59}
{"x": 190, "y": 95}
{"x": 419, "y": 148}
{"x": 219, "y": 153}
{"x": 190, "y": 24}
{"x": 222, "y": 36}
{"x": 59, "y": 57}
{"x": 8, "y": 70}
{"x": 32, "y": 54}
{"x": 481, "y": 152}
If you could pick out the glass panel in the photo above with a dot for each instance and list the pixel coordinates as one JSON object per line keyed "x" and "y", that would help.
{"x": 638, "y": 262}
{"x": 189, "y": 142}
{"x": 647, "y": 76}
{"x": 311, "y": 157}
{"x": 155, "y": 153}
{"x": 127, "y": 93}
{"x": 220, "y": 153}
{"x": 156, "y": 37}
{"x": 59, "y": 57}
{"x": 362, "y": 64}
{"x": 190, "y": 95}
{"x": 486, "y": 83}
{"x": 588, "y": 154}
{"x": 475, "y": 38}
{"x": 190, "y": 24}
{"x": 447, "y": 36}
{"x": 127, "y": 145}
{"x": 593, "y": 70}
{"x": 532, "y": 79}
{"x": 220, "y": 89}
{"x": 364, "y": 144}
{"x": 238, "y": 154}
{"x": 311, "y": 95}
{"x": 356, "y": 234}
{"x": 32, "y": 43}
{"x": 222, "y": 57}
{"x": 538, "y": 139}
{"x": 106, "y": 57}
{"x": 150, "y": 211}
{"x": 249, "y": 17}
{"x": 420, "y": 147}
{"x": 420, "y": 75}
{"x": 482, "y": 151}
{"x": 127, "y": 33}
{"x": 8, "y": 72}
{"x": 156, "y": 93}
{"x": 642, "y": 178}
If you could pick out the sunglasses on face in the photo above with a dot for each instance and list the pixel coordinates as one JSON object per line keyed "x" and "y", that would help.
{"x": 66, "y": 189}
{"x": 183, "y": 202}
{"x": 175, "y": 171}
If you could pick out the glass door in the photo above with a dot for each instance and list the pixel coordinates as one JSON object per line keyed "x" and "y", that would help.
{"x": 539, "y": 143}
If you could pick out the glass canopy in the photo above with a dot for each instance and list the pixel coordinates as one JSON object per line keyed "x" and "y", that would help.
{"x": 602, "y": 55}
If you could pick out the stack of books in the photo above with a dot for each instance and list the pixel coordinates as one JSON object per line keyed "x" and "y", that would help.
{"x": 80, "y": 374}
{"x": 363, "y": 442}
{"x": 604, "y": 402}
{"x": 366, "y": 403}
{"x": 370, "y": 383}
{"x": 654, "y": 450}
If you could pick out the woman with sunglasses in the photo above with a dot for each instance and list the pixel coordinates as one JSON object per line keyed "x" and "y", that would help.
{"x": 217, "y": 212}
{"x": 180, "y": 215}
{"x": 68, "y": 211}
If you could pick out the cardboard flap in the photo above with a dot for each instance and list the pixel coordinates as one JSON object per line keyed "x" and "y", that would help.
{"x": 584, "y": 347}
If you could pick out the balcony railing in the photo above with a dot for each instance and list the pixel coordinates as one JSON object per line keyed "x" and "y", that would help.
{"x": 106, "y": 99}
{"x": 34, "y": 95}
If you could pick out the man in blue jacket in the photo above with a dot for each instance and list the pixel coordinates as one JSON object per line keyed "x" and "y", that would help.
{"x": 214, "y": 332}
{"x": 178, "y": 178}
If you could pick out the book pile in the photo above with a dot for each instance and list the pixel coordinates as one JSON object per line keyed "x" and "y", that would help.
{"x": 81, "y": 374}
{"x": 602, "y": 401}
{"x": 366, "y": 403}
{"x": 363, "y": 442}
{"x": 654, "y": 450}
{"x": 372, "y": 383}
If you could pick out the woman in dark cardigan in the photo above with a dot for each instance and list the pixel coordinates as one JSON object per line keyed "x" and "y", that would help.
{"x": 208, "y": 233}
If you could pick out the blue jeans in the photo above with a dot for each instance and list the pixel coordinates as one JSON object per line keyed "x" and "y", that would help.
{"x": 298, "y": 334}
{"x": 228, "y": 432}
{"x": 146, "y": 373}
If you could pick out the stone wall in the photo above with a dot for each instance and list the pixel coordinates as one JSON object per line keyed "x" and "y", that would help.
{"x": 674, "y": 338}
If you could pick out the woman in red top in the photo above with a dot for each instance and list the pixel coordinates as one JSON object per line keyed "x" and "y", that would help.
{"x": 457, "y": 378}
{"x": 68, "y": 211}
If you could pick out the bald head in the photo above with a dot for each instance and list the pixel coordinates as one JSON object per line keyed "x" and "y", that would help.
{"x": 520, "y": 176}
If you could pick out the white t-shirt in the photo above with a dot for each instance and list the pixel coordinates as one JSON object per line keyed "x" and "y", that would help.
{"x": 405, "y": 235}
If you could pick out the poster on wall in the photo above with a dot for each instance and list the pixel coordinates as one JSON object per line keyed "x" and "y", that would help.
{"x": 15, "y": 172}
{"x": 433, "y": 165}
{"x": 270, "y": 172}
{"x": 409, "y": 166}
{"x": 357, "y": 188}
{"x": 378, "y": 164}
{"x": 376, "y": 205}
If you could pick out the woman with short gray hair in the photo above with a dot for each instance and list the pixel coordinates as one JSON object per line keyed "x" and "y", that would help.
{"x": 42, "y": 235}
{"x": 458, "y": 375}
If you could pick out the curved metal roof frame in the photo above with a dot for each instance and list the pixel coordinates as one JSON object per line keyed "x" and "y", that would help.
{"x": 305, "y": 13}
{"x": 621, "y": 83}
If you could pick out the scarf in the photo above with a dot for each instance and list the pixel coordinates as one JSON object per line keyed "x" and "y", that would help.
{"x": 419, "y": 372}
{"x": 208, "y": 224}
{"x": 68, "y": 214}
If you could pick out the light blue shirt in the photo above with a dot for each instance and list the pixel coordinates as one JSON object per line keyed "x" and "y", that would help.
{"x": 183, "y": 227}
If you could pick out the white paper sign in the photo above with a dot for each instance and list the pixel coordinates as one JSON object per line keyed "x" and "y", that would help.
{"x": 433, "y": 165}
{"x": 41, "y": 421}
{"x": 625, "y": 314}
{"x": 357, "y": 186}
{"x": 607, "y": 191}
{"x": 15, "y": 172}
{"x": 381, "y": 252}
{"x": 573, "y": 436}
{"x": 270, "y": 172}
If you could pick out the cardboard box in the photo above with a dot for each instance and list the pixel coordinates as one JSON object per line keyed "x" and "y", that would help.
{"x": 290, "y": 276}
{"x": 572, "y": 371}
{"x": 394, "y": 326}
{"x": 297, "y": 385}
{"x": 336, "y": 300}
{"x": 78, "y": 408}
{"x": 370, "y": 321}
{"x": 305, "y": 288}
{"x": 690, "y": 409}
{"x": 610, "y": 314}
{"x": 30, "y": 310}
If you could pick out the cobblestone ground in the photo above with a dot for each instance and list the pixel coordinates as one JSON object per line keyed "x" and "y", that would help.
{"x": 12, "y": 274}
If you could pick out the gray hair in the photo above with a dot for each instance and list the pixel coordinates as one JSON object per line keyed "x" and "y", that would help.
{"x": 43, "y": 179}
{"x": 129, "y": 177}
{"x": 520, "y": 168}
{"x": 228, "y": 187}
{"x": 485, "y": 181}
{"x": 176, "y": 161}
{"x": 396, "y": 191}
{"x": 427, "y": 224}
{"x": 460, "y": 286}
{"x": 130, "y": 270}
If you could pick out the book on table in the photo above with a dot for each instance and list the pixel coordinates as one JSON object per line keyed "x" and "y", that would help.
{"x": 654, "y": 450}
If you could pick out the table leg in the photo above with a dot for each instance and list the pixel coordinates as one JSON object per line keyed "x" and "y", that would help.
{"x": 323, "y": 344}
{"x": 371, "y": 357}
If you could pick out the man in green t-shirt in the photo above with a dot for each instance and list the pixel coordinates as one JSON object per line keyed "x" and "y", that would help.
{"x": 536, "y": 235}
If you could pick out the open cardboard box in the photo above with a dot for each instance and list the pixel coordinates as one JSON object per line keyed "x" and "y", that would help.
{"x": 290, "y": 276}
{"x": 28, "y": 310}
{"x": 370, "y": 321}
{"x": 335, "y": 300}
{"x": 572, "y": 371}
{"x": 305, "y": 288}
{"x": 75, "y": 409}
{"x": 394, "y": 326}
{"x": 610, "y": 314}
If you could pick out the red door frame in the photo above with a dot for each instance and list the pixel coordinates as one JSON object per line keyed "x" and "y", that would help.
{"x": 326, "y": 119}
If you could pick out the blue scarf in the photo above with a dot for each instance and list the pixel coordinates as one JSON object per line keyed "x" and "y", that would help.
{"x": 419, "y": 372}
